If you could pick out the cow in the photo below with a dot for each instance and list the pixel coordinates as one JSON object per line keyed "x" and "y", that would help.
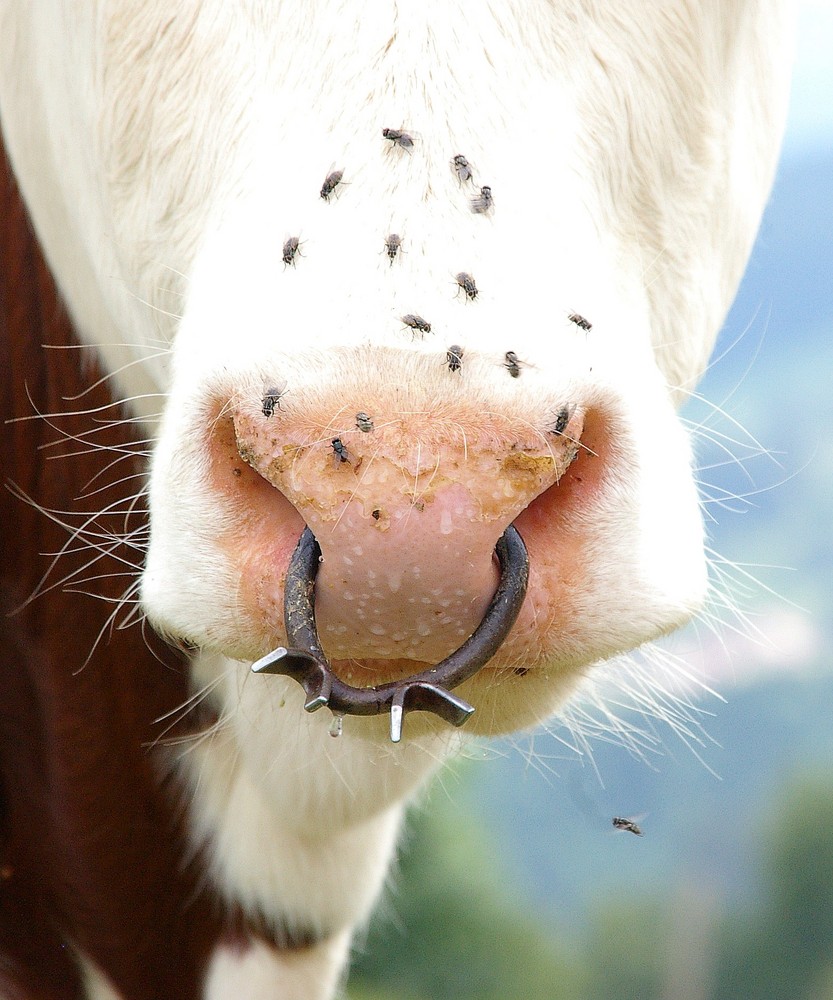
{"x": 360, "y": 376}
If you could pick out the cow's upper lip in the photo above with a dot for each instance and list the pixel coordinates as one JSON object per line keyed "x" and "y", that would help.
{"x": 429, "y": 690}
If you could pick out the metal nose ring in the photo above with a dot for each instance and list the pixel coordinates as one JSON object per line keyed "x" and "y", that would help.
{"x": 429, "y": 691}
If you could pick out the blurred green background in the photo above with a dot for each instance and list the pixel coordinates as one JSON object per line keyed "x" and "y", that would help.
{"x": 453, "y": 929}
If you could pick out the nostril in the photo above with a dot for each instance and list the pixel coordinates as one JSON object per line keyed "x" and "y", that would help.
{"x": 591, "y": 438}
{"x": 244, "y": 491}
{"x": 261, "y": 526}
{"x": 571, "y": 498}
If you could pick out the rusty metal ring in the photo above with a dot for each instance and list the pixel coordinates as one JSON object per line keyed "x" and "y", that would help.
{"x": 428, "y": 691}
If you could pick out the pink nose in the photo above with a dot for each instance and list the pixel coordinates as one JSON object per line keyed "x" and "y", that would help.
{"x": 407, "y": 513}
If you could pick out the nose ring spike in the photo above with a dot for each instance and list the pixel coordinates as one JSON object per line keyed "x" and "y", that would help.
{"x": 428, "y": 691}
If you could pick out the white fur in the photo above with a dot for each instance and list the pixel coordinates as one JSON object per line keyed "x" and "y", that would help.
{"x": 290, "y": 809}
{"x": 122, "y": 202}
{"x": 254, "y": 974}
{"x": 166, "y": 153}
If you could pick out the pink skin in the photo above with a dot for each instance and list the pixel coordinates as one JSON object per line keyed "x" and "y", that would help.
{"x": 407, "y": 528}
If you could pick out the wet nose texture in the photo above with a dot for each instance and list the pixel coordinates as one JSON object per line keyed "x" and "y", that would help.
{"x": 407, "y": 517}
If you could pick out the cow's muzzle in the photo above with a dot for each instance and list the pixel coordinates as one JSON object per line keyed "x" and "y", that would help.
{"x": 428, "y": 691}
